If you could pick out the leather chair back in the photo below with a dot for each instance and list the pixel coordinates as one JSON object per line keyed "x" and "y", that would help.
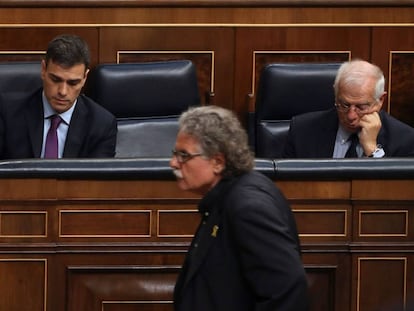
{"x": 18, "y": 76}
{"x": 286, "y": 90}
{"x": 147, "y": 99}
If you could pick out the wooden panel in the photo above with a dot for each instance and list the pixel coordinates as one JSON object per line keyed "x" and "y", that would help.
{"x": 16, "y": 40}
{"x": 321, "y": 282}
{"x": 21, "y": 279}
{"x": 381, "y": 282}
{"x": 23, "y": 189}
{"x": 392, "y": 50}
{"x": 401, "y": 86}
{"x": 263, "y": 58}
{"x": 177, "y": 223}
{"x": 120, "y": 189}
{"x": 111, "y": 288}
{"x": 101, "y": 223}
{"x": 369, "y": 189}
{"x": 214, "y": 72}
{"x": 289, "y": 44}
{"x": 322, "y": 220}
{"x": 328, "y": 278}
{"x": 23, "y": 224}
{"x": 149, "y": 223}
{"x": 326, "y": 190}
{"x": 383, "y": 223}
{"x": 124, "y": 13}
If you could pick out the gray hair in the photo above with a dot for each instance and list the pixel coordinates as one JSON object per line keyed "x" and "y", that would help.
{"x": 355, "y": 72}
{"x": 219, "y": 131}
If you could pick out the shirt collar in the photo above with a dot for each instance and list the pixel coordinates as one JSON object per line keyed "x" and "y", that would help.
{"x": 215, "y": 195}
{"x": 49, "y": 111}
{"x": 342, "y": 135}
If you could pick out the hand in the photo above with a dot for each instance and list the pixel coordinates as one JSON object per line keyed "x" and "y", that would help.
{"x": 370, "y": 124}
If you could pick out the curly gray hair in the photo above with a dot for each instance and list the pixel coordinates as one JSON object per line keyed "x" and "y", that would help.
{"x": 219, "y": 131}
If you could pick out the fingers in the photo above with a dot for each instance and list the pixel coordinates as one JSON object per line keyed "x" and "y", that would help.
{"x": 370, "y": 126}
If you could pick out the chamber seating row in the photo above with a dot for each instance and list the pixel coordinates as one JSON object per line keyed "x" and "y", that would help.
{"x": 159, "y": 169}
{"x": 147, "y": 99}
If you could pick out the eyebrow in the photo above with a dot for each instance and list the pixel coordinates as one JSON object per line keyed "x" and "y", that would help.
{"x": 357, "y": 104}
{"x": 68, "y": 81}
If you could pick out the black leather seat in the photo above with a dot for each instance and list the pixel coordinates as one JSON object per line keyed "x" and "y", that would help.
{"x": 147, "y": 99}
{"x": 17, "y": 77}
{"x": 286, "y": 90}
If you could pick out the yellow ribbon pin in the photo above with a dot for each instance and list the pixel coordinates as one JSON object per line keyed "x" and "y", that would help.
{"x": 214, "y": 232}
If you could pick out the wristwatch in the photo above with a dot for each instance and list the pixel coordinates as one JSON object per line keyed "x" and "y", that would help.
{"x": 377, "y": 153}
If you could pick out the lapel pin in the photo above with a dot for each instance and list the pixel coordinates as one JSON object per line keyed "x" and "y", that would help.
{"x": 214, "y": 232}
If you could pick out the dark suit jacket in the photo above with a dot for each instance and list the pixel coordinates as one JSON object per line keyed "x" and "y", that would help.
{"x": 245, "y": 255}
{"x": 312, "y": 135}
{"x": 91, "y": 134}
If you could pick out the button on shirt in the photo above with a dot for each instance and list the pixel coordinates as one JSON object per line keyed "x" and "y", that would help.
{"x": 342, "y": 144}
{"x": 63, "y": 128}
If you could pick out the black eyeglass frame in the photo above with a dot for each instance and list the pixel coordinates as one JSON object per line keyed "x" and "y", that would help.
{"x": 183, "y": 157}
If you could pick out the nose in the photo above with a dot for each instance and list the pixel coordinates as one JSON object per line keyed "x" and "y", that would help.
{"x": 173, "y": 162}
{"x": 352, "y": 112}
{"x": 63, "y": 89}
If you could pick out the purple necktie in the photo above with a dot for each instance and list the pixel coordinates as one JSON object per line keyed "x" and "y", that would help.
{"x": 51, "y": 147}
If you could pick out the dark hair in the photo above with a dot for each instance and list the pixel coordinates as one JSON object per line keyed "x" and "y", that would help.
{"x": 68, "y": 50}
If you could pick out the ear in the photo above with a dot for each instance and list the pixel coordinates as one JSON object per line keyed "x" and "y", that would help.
{"x": 219, "y": 163}
{"x": 86, "y": 73}
{"x": 43, "y": 69}
{"x": 382, "y": 99}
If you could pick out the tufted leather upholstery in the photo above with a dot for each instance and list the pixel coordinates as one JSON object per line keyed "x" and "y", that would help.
{"x": 16, "y": 77}
{"x": 147, "y": 99}
{"x": 284, "y": 91}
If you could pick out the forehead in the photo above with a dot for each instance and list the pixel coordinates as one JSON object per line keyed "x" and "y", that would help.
{"x": 357, "y": 91}
{"x": 186, "y": 142}
{"x": 74, "y": 72}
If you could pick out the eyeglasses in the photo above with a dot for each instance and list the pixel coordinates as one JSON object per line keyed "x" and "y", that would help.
{"x": 359, "y": 108}
{"x": 183, "y": 156}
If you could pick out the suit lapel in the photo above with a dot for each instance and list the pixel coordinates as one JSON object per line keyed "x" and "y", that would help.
{"x": 204, "y": 240}
{"x": 77, "y": 129}
{"x": 34, "y": 119}
{"x": 208, "y": 233}
{"x": 326, "y": 143}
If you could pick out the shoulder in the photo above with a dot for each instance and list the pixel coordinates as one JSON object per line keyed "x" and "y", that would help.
{"x": 253, "y": 187}
{"x": 255, "y": 196}
{"x": 395, "y": 132}
{"x": 93, "y": 108}
{"x": 393, "y": 123}
{"x": 20, "y": 97}
{"x": 253, "y": 178}
{"x": 396, "y": 137}
{"x": 15, "y": 101}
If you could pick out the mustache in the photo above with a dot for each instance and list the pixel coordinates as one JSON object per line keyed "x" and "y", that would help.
{"x": 178, "y": 173}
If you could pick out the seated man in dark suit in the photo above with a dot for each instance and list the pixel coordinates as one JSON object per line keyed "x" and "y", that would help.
{"x": 82, "y": 128}
{"x": 356, "y": 126}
